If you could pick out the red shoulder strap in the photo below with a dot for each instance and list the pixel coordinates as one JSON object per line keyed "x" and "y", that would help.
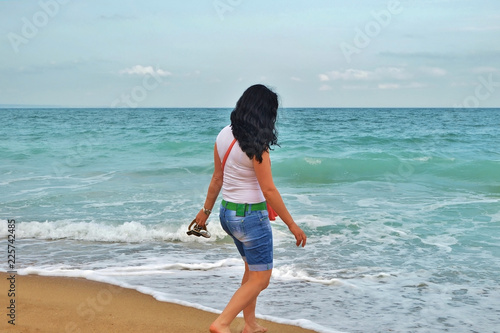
{"x": 227, "y": 153}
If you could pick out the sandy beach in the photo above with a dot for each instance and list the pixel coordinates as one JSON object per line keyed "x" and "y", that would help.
{"x": 75, "y": 305}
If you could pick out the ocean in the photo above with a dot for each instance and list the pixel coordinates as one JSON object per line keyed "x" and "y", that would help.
{"x": 401, "y": 208}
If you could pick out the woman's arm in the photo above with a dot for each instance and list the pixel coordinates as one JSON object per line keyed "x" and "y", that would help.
{"x": 273, "y": 197}
{"x": 213, "y": 189}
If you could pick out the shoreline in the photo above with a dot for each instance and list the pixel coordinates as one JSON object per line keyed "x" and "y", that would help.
{"x": 76, "y": 305}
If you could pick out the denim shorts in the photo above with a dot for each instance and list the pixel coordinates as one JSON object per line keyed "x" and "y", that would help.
{"x": 252, "y": 235}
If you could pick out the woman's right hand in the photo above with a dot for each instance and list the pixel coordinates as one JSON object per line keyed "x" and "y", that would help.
{"x": 201, "y": 218}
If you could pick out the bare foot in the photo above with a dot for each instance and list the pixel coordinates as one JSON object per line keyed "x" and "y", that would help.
{"x": 256, "y": 328}
{"x": 215, "y": 328}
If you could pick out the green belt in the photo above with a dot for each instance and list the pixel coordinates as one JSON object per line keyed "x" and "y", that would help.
{"x": 242, "y": 208}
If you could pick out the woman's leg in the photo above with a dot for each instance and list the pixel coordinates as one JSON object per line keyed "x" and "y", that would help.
{"x": 251, "y": 325}
{"x": 245, "y": 297}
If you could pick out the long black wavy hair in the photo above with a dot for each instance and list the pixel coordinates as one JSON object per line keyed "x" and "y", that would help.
{"x": 253, "y": 121}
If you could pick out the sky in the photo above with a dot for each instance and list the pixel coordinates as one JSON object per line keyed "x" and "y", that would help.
{"x": 205, "y": 53}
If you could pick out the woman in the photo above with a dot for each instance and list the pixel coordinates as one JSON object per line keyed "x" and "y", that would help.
{"x": 247, "y": 185}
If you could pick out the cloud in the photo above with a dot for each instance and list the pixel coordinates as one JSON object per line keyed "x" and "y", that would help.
{"x": 195, "y": 73}
{"x": 357, "y": 87}
{"x": 416, "y": 55}
{"x": 476, "y": 56}
{"x": 296, "y": 79}
{"x": 144, "y": 70}
{"x": 483, "y": 70}
{"x": 385, "y": 86}
{"x": 394, "y": 86}
{"x": 323, "y": 77}
{"x": 116, "y": 17}
{"x": 381, "y": 78}
{"x": 47, "y": 67}
{"x": 415, "y": 85}
{"x": 350, "y": 75}
{"x": 433, "y": 71}
{"x": 382, "y": 73}
{"x": 477, "y": 29}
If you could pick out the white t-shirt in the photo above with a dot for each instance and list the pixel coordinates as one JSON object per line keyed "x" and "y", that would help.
{"x": 240, "y": 183}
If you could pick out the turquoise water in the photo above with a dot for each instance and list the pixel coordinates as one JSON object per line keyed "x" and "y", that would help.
{"x": 401, "y": 206}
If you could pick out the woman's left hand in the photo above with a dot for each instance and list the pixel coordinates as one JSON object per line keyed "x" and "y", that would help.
{"x": 300, "y": 235}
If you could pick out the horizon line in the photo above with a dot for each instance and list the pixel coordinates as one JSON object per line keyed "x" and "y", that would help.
{"x": 21, "y": 106}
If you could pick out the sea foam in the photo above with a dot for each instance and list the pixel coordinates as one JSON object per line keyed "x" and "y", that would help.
{"x": 102, "y": 232}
